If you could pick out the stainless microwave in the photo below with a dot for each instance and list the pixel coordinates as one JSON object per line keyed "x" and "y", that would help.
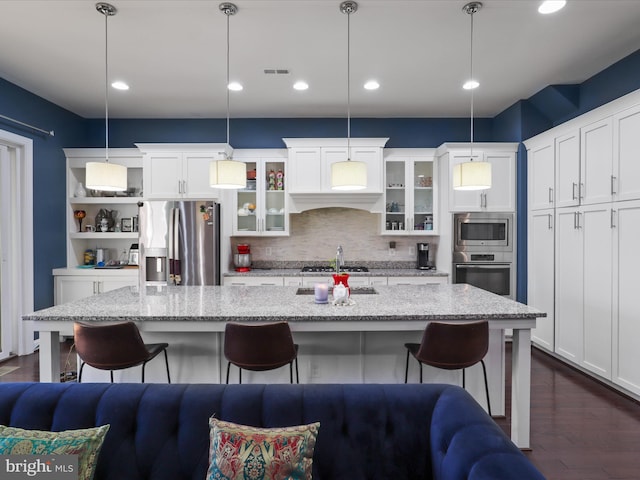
{"x": 483, "y": 232}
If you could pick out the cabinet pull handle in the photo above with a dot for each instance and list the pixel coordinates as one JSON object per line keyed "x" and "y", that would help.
{"x": 184, "y": 186}
{"x": 578, "y": 220}
{"x": 550, "y": 221}
{"x": 550, "y": 195}
{"x": 94, "y": 287}
{"x": 179, "y": 186}
{"x": 613, "y": 189}
{"x": 580, "y": 191}
{"x": 613, "y": 218}
{"x": 573, "y": 197}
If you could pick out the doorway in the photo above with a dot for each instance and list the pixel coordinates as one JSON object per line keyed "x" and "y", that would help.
{"x": 16, "y": 243}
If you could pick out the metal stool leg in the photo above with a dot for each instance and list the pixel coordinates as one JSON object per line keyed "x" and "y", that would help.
{"x": 80, "y": 372}
{"x": 228, "y": 368}
{"x": 406, "y": 368}
{"x": 166, "y": 362}
{"x": 486, "y": 386}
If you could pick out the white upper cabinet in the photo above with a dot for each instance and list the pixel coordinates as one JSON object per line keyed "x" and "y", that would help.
{"x": 568, "y": 186}
{"x": 411, "y": 200}
{"x": 261, "y": 209}
{"x": 310, "y": 161}
{"x": 501, "y": 197}
{"x": 541, "y": 167}
{"x": 626, "y": 154}
{"x": 596, "y": 163}
{"x": 174, "y": 171}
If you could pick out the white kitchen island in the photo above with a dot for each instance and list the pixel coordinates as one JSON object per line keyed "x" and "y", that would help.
{"x": 338, "y": 344}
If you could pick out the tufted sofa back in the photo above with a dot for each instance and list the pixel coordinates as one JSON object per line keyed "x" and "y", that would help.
{"x": 367, "y": 431}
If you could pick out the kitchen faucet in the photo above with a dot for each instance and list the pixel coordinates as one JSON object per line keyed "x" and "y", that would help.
{"x": 339, "y": 258}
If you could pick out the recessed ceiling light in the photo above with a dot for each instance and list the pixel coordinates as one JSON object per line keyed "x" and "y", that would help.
{"x": 119, "y": 85}
{"x": 235, "y": 86}
{"x": 551, "y": 6}
{"x": 300, "y": 85}
{"x": 470, "y": 85}
{"x": 372, "y": 85}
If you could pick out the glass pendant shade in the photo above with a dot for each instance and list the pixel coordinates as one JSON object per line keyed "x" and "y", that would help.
{"x": 349, "y": 175}
{"x": 106, "y": 176}
{"x": 472, "y": 176}
{"x": 228, "y": 174}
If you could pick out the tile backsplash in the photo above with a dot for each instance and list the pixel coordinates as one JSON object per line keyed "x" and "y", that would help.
{"x": 316, "y": 234}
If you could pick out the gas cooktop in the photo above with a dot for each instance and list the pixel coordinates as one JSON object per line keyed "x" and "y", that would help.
{"x": 328, "y": 269}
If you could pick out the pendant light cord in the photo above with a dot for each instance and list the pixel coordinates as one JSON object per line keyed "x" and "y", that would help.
{"x": 348, "y": 85}
{"x": 106, "y": 85}
{"x": 228, "y": 14}
{"x": 471, "y": 69}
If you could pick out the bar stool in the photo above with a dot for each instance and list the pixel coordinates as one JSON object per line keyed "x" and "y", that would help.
{"x": 260, "y": 347}
{"x": 114, "y": 346}
{"x": 452, "y": 346}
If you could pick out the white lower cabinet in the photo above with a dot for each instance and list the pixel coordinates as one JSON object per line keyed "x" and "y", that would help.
{"x": 68, "y": 288}
{"x": 568, "y": 328}
{"x": 254, "y": 281}
{"x": 541, "y": 282}
{"x": 583, "y": 287}
{"x": 417, "y": 280}
{"x": 626, "y": 312}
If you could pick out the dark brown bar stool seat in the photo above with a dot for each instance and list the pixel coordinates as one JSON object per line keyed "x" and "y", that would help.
{"x": 260, "y": 347}
{"x": 452, "y": 346}
{"x": 114, "y": 346}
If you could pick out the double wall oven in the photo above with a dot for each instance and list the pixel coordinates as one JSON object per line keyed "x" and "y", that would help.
{"x": 483, "y": 251}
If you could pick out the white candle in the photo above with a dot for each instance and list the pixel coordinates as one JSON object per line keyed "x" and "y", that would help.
{"x": 321, "y": 292}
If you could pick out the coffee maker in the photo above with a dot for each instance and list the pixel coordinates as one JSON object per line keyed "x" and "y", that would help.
{"x": 242, "y": 259}
{"x": 423, "y": 256}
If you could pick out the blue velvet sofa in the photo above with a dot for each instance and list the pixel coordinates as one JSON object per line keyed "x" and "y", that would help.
{"x": 387, "y": 432}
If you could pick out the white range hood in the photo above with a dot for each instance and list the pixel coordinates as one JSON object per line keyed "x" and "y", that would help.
{"x": 309, "y": 170}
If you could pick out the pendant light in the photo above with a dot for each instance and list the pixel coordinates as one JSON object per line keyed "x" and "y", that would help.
{"x": 106, "y": 176}
{"x": 228, "y": 173}
{"x": 348, "y": 175}
{"x": 472, "y": 175}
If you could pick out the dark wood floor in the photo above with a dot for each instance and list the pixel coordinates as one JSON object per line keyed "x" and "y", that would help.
{"x": 580, "y": 429}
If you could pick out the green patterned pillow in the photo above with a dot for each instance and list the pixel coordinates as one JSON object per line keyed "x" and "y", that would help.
{"x": 85, "y": 443}
{"x": 239, "y": 452}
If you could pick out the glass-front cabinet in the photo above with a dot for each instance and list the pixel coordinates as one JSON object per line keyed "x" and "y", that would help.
{"x": 410, "y": 192}
{"x": 261, "y": 208}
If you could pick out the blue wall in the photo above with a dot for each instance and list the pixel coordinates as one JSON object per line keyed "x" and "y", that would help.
{"x": 268, "y": 133}
{"x": 549, "y": 107}
{"x": 48, "y": 177}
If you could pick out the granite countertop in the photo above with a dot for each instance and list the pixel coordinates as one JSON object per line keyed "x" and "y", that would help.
{"x": 269, "y": 303}
{"x": 373, "y": 272}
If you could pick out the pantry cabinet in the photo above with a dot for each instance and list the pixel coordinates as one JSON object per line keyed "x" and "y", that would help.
{"x": 180, "y": 171}
{"x": 262, "y": 208}
{"x": 411, "y": 192}
{"x": 596, "y": 258}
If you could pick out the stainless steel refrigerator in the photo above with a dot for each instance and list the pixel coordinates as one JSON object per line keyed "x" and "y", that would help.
{"x": 179, "y": 242}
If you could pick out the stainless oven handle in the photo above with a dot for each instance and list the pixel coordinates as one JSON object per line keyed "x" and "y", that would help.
{"x": 491, "y": 266}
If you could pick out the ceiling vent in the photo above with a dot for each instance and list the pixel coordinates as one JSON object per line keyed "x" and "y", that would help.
{"x": 276, "y": 71}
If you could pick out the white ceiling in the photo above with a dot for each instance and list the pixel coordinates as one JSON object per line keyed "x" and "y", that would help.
{"x": 172, "y": 53}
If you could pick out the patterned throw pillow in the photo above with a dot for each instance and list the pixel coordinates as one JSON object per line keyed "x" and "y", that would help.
{"x": 85, "y": 443}
{"x": 239, "y": 452}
